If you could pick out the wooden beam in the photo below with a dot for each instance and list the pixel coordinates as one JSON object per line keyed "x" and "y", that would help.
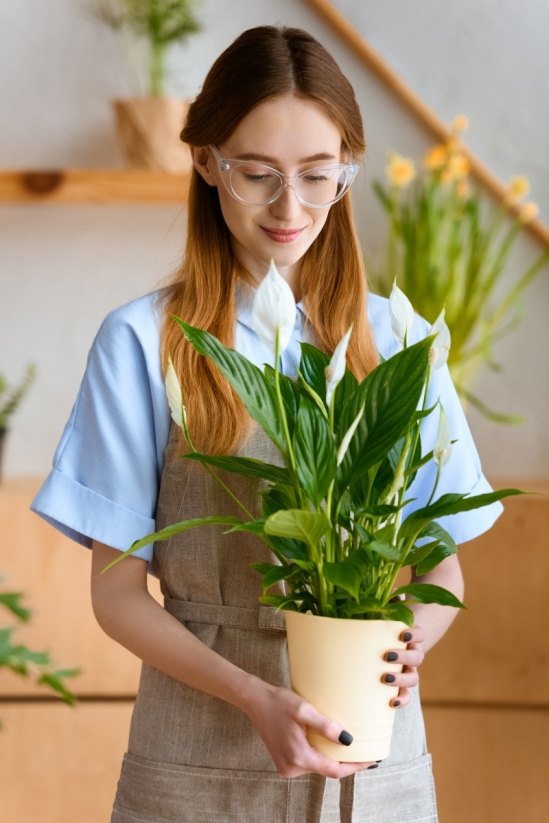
{"x": 92, "y": 186}
{"x": 415, "y": 105}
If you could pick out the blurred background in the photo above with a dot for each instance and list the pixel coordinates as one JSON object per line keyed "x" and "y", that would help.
{"x": 80, "y": 235}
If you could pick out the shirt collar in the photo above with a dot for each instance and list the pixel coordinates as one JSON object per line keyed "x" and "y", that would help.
{"x": 244, "y": 298}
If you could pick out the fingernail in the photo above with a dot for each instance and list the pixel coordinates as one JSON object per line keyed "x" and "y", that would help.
{"x": 373, "y": 766}
{"x": 389, "y": 678}
{"x": 378, "y": 761}
{"x": 345, "y": 738}
{"x": 392, "y": 656}
{"x": 396, "y": 703}
{"x": 407, "y": 636}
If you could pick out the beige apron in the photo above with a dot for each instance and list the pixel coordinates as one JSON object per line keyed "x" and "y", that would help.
{"x": 193, "y": 758}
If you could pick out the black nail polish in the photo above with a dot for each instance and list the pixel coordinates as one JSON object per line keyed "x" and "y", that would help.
{"x": 407, "y": 636}
{"x": 378, "y": 761}
{"x": 345, "y": 738}
{"x": 396, "y": 703}
{"x": 392, "y": 656}
{"x": 389, "y": 678}
{"x": 373, "y": 766}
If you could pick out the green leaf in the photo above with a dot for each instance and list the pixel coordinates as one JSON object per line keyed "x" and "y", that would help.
{"x": 279, "y": 601}
{"x": 253, "y": 526}
{"x": 170, "y": 531}
{"x": 12, "y": 601}
{"x": 311, "y": 392}
{"x": 445, "y": 548}
{"x": 54, "y": 681}
{"x": 347, "y": 574}
{"x": 398, "y": 611}
{"x": 298, "y": 524}
{"x": 380, "y": 510}
{"x": 311, "y": 369}
{"x": 390, "y": 394}
{"x": 366, "y": 605}
{"x": 248, "y": 466}
{"x": 274, "y": 574}
{"x": 314, "y": 450}
{"x": 248, "y": 381}
{"x": 429, "y": 593}
{"x": 450, "y": 504}
{"x": 384, "y": 549}
{"x": 289, "y": 391}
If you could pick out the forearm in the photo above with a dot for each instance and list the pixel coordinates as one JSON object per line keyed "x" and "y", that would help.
{"x": 435, "y": 619}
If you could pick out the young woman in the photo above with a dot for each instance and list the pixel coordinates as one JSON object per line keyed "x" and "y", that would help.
{"x": 217, "y": 735}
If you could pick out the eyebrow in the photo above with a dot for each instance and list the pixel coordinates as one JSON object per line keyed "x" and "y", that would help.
{"x": 262, "y": 158}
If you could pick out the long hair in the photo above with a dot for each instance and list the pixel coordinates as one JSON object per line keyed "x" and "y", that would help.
{"x": 261, "y": 64}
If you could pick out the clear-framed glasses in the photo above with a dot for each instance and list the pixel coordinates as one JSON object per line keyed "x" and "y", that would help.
{"x": 258, "y": 185}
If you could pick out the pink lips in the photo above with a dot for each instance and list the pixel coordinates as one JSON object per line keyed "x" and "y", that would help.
{"x": 282, "y": 235}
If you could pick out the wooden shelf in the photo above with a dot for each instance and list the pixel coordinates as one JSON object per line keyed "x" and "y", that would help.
{"x": 92, "y": 186}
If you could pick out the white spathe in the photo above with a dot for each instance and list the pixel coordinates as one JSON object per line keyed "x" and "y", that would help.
{"x": 175, "y": 395}
{"x": 443, "y": 447}
{"x": 336, "y": 368}
{"x": 440, "y": 349}
{"x": 344, "y": 445}
{"x": 274, "y": 307}
{"x": 401, "y": 314}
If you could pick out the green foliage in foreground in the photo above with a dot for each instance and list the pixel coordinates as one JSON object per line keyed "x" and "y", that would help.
{"x": 333, "y": 516}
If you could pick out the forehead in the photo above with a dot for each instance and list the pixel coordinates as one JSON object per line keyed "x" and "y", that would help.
{"x": 287, "y": 129}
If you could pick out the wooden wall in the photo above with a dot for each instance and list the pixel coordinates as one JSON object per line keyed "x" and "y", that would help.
{"x": 485, "y": 687}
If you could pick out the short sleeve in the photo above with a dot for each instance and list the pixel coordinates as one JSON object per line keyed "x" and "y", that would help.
{"x": 107, "y": 467}
{"x": 462, "y": 473}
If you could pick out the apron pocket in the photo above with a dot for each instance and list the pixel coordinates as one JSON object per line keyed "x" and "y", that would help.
{"x": 153, "y": 792}
{"x": 404, "y": 793}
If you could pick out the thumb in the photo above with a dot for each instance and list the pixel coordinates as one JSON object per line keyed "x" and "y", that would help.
{"x": 331, "y": 729}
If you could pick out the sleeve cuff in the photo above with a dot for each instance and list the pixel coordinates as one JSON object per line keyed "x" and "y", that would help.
{"x": 85, "y": 515}
{"x": 467, "y": 526}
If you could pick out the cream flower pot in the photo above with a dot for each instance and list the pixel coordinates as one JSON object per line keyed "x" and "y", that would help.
{"x": 337, "y": 665}
{"x": 149, "y": 129}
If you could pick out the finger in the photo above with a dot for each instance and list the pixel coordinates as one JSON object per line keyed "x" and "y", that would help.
{"x": 414, "y": 635}
{"x": 319, "y": 763}
{"x": 402, "y": 680}
{"x": 402, "y": 699}
{"x": 412, "y": 656}
{"x": 309, "y": 716}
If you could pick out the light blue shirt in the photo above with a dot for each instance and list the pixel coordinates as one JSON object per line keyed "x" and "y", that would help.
{"x": 107, "y": 467}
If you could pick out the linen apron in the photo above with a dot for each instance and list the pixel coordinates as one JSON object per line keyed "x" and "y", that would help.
{"x": 194, "y": 758}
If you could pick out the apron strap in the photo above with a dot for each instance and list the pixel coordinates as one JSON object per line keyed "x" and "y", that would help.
{"x": 346, "y": 798}
{"x": 263, "y": 618}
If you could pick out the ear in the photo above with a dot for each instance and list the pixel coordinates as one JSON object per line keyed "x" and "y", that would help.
{"x": 204, "y": 163}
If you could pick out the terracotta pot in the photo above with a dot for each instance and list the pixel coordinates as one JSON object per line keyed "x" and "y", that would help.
{"x": 337, "y": 666}
{"x": 149, "y": 128}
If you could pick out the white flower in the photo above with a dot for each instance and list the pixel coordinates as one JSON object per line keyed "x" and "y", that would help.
{"x": 175, "y": 396}
{"x": 402, "y": 315}
{"x": 443, "y": 447}
{"x": 344, "y": 445}
{"x": 441, "y": 346}
{"x": 336, "y": 369}
{"x": 274, "y": 307}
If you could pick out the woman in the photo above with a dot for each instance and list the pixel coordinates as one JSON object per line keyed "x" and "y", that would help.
{"x": 217, "y": 734}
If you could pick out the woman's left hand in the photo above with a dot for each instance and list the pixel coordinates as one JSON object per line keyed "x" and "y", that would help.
{"x": 410, "y": 658}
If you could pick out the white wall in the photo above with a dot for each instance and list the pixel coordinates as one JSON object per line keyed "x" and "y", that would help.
{"x": 63, "y": 268}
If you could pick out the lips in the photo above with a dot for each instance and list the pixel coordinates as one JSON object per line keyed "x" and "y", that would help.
{"x": 282, "y": 235}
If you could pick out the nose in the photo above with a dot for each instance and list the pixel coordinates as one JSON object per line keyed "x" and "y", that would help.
{"x": 286, "y": 207}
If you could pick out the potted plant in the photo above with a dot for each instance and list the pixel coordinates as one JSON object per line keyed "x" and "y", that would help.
{"x": 333, "y": 519}
{"x": 442, "y": 247}
{"x": 10, "y": 397}
{"x": 149, "y": 126}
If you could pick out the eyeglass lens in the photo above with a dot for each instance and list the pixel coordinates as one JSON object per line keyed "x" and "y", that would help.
{"x": 257, "y": 185}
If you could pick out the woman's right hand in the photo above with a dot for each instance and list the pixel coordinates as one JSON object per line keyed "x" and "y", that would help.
{"x": 281, "y": 718}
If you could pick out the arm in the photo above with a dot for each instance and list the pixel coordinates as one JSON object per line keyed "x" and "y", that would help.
{"x": 431, "y": 623}
{"x": 126, "y": 612}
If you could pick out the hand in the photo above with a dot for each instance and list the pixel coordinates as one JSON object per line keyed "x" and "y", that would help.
{"x": 281, "y": 718}
{"x": 410, "y": 657}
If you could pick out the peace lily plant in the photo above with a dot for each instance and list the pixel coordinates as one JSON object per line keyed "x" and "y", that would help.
{"x": 334, "y": 516}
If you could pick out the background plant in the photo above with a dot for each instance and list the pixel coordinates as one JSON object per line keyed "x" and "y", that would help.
{"x": 11, "y": 396}
{"x": 35, "y": 665}
{"x": 332, "y": 516}
{"x": 161, "y": 23}
{"x": 443, "y": 250}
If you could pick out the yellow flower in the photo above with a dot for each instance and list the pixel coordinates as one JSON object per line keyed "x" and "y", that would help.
{"x": 517, "y": 188}
{"x": 436, "y": 157}
{"x": 460, "y": 123}
{"x": 400, "y": 171}
{"x": 458, "y": 166}
{"x": 463, "y": 190}
{"x": 528, "y": 212}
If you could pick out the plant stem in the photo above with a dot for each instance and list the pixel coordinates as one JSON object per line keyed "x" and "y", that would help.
{"x": 158, "y": 54}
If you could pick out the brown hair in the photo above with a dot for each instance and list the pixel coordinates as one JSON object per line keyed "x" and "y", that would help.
{"x": 261, "y": 64}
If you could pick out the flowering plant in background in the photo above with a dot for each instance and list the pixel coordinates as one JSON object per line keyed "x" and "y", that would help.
{"x": 443, "y": 250}
{"x": 334, "y": 514}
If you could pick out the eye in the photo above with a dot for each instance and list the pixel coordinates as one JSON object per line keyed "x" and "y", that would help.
{"x": 256, "y": 178}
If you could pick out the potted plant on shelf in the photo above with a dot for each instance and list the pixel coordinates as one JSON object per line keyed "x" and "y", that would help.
{"x": 10, "y": 398}
{"x": 441, "y": 247}
{"x": 149, "y": 126}
{"x": 333, "y": 520}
